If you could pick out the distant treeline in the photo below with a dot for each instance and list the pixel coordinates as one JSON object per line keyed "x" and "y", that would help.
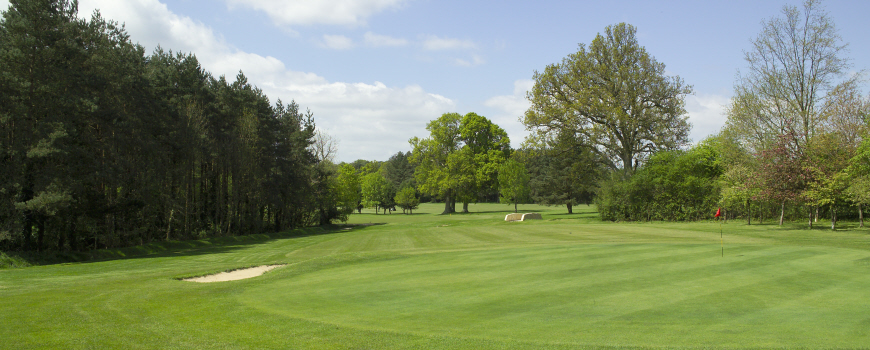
{"x": 103, "y": 146}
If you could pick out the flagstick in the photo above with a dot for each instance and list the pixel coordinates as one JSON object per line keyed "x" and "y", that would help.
{"x": 721, "y": 239}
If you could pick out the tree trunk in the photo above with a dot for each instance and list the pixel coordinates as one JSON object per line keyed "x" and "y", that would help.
{"x": 816, "y": 219}
{"x": 447, "y": 205}
{"x": 811, "y": 217}
{"x": 464, "y": 207}
{"x": 833, "y": 218}
{"x": 169, "y": 226}
{"x": 515, "y": 207}
{"x": 860, "y": 216}
{"x": 570, "y": 208}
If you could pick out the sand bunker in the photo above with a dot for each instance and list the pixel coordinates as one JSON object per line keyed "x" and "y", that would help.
{"x": 234, "y": 275}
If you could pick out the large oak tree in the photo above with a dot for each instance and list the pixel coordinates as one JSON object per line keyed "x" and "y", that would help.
{"x": 459, "y": 160}
{"x": 614, "y": 94}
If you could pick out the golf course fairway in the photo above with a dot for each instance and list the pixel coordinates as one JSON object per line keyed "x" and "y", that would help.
{"x": 461, "y": 281}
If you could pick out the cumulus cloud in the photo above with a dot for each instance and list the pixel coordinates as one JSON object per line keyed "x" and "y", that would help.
{"x": 150, "y": 23}
{"x": 434, "y": 43}
{"x": 370, "y": 120}
{"x": 375, "y": 40}
{"x": 510, "y": 108}
{"x": 336, "y": 42}
{"x": 304, "y": 12}
{"x": 706, "y": 113}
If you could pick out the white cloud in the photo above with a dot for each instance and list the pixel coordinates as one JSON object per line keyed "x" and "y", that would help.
{"x": 707, "y": 114}
{"x": 475, "y": 60}
{"x": 375, "y": 40}
{"x": 435, "y": 43}
{"x": 150, "y": 23}
{"x": 510, "y": 109}
{"x": 371, "y": 121}
{"x": 308, "y": 12}
{"x": 336, "y": 42}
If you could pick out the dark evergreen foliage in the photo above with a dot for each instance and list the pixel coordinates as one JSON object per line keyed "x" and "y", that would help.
{"x": 103, "y": 146}
{"x": 399, "y": 171}
{"x": 564, "y": 171}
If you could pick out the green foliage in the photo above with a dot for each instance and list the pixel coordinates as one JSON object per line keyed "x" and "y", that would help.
{"x": 485, "y": 147}
{"x": 513, "y": 183}
{"x": 563, "y": 171}
{"x": 672, "y": 186}
{"x": 858, "y": 173}
{"x": 826, "y": 168}
{"x": 616, "y": 96}
{"x": 460, "y": 158}
{"x": 399, "y": 171}
{"x": 433, "y": 172}
{"x": 781, "y": 119}
{"x": 348, "y": 188}
{"x": 407, "y": 199}
{"x": 377, "y": 192}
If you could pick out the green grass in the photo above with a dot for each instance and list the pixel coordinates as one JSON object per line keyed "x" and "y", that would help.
{"x": 462, "y": 281}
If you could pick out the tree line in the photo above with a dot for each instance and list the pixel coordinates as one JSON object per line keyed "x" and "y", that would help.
{"x": 104, "y": 146}
{"x": 795, "y": 141}
{"x": 608, "y": 123}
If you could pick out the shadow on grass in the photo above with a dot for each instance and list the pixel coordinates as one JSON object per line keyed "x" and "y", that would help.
{"x": 191, "y": 247}
{"x": 580, "y": 214}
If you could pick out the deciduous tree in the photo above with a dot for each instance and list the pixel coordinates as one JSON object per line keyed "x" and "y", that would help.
{"x": 433, "y": 173}
{"x": 513, "y": 181}
{"x": 796, "y": 71}
{"x": 377, "y": 192}
{"x": 614, "y": 94}
{"x": 407, "y": 200}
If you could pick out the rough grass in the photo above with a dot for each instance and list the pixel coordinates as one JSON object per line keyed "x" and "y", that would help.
{"x": 463, "y": 281}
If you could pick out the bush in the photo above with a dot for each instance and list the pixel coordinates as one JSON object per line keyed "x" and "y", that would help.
{"x": 671, "y": 186}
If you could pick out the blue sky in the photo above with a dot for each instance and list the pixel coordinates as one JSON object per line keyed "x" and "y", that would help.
{"x": 374, "y": 72}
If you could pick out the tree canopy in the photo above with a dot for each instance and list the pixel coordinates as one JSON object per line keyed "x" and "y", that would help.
{"x": 460, "y": 158}
{"x": 614, "y": 95}
{"x": 513, "y": 180}
{"x": 104, "y": 146}
{"x": 795, "y": 81}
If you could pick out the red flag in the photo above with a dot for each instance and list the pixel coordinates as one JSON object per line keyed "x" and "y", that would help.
{"x": 718, "y": 212}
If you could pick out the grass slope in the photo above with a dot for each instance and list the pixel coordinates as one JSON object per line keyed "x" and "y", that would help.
{"x": 461, "y": 281}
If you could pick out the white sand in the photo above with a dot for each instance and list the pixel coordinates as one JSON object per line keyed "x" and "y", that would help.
{"x": 234, "y": 275}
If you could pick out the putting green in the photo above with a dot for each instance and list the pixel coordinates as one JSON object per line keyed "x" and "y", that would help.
{"x": 601, "y": 294}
